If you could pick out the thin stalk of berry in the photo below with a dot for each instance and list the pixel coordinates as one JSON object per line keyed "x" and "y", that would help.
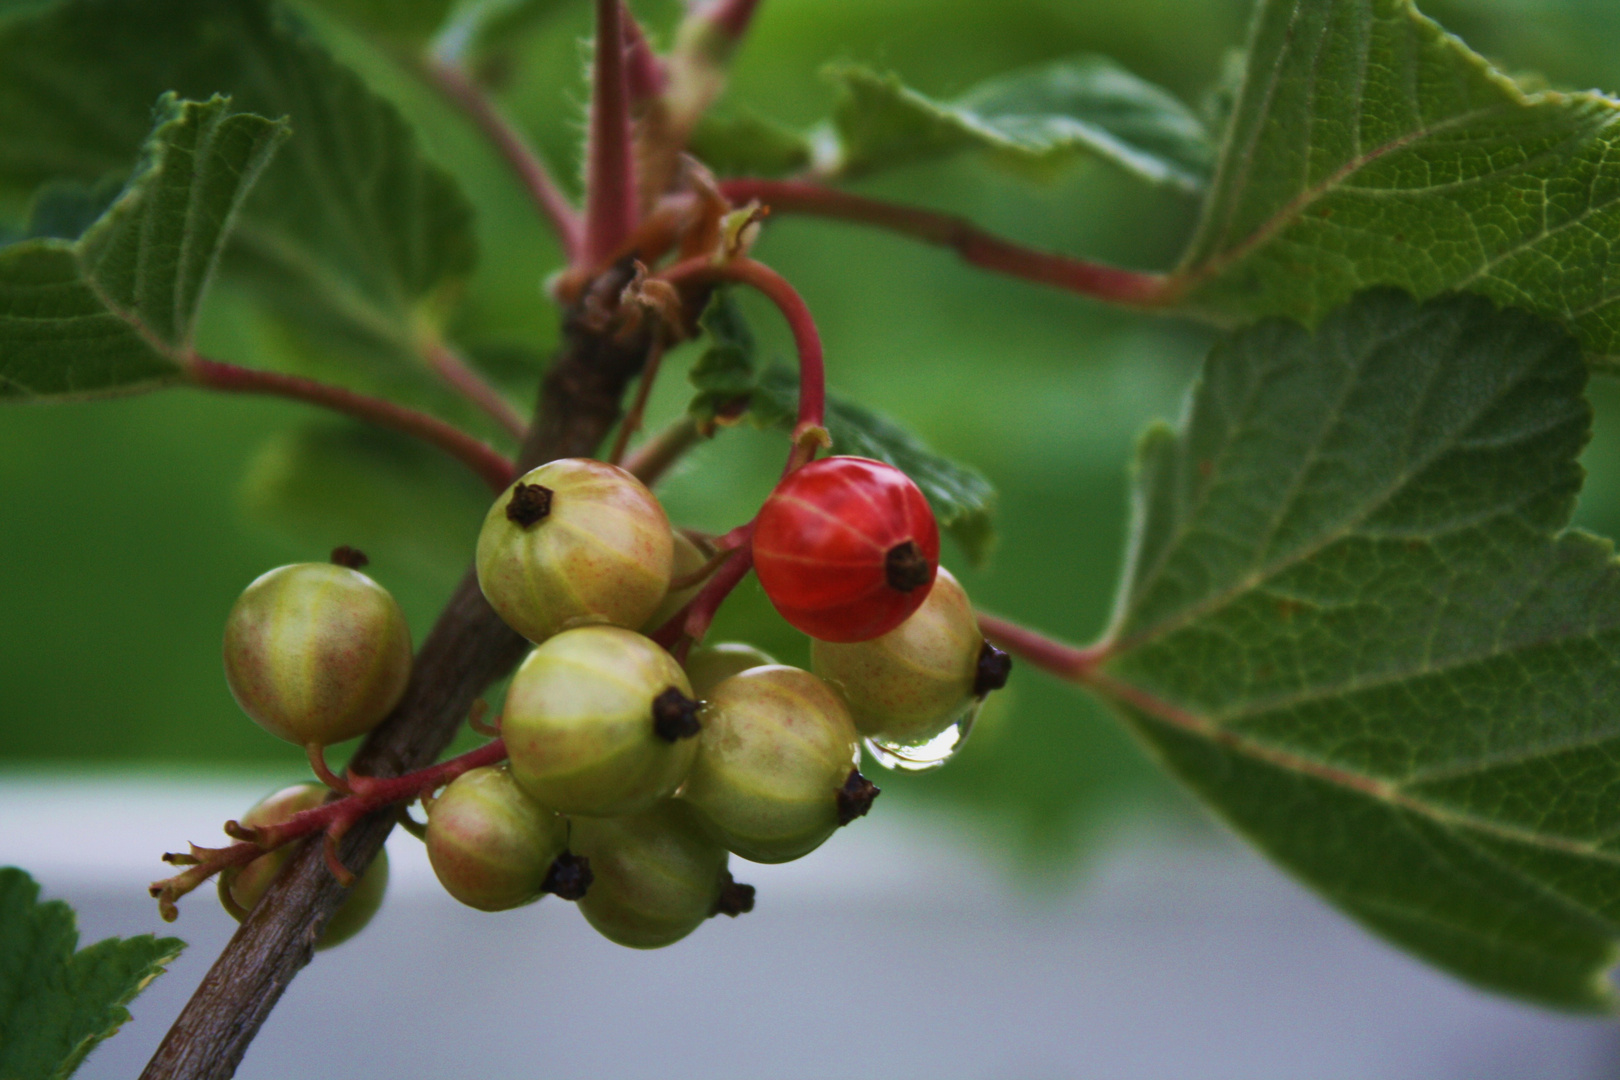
{"x": 973, "y": 244}
{"x": 1054, "y": 657}
{"x": 460, "y": 376}
{"x": 490, "y": 465}
{"x": 332, "y": 820}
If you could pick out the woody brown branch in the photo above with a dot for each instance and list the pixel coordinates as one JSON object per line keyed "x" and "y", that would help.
{"x": 468, "y": 648}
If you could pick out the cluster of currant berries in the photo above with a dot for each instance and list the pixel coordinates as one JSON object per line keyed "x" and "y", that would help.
{"x": 632, "y": 777}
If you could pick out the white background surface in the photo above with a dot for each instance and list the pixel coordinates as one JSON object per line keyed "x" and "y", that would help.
{"x": 898, "y": 950}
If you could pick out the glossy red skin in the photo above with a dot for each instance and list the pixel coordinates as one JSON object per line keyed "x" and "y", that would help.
{"x": 821, "y": 539}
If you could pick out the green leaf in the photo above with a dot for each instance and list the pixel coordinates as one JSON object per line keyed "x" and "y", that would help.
{"x": 744, "y": 143}
{"x": 1370, "y": 147}
{"x": 725, "y": 377}
{"x": 1355, "y": 623}
{"x": 1035, "y": 119}
{"x": 112, "y": 310}
{"x": 57, "y": 1004}
{"x": 408, "y": 23}
{"x": 350, "y": 230}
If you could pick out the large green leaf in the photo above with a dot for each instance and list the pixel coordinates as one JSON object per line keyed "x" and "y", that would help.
{"x": 1370, "y": 147}
{"x": 730, "y": 387}
{"x": 1039, "y": 118}
{"x": 57, "y": 1004}
{"x": 350, "y": 229}
{"x": 1354, "y": 623}
{"x": 112, "y": 310}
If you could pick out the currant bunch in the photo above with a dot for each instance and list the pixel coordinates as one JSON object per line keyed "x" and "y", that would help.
{"x": 636, "y": 768}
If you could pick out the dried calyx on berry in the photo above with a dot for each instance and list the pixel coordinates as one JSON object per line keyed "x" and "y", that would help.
{"x": 572, "y": 543}
{"x": 776, "y": 750}
{"x": 491, "y": 845}
{"x": 657, "y": 875}
{"x": 599, "y": 721}
{"x": 846, "y": 548}
{"x": 242, "y": 887}
{"x": 317, "y": 653}
{"x": 926, "y": 674}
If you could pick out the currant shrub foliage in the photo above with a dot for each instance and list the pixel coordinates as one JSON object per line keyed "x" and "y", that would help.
{"x": 1353, "y": 618}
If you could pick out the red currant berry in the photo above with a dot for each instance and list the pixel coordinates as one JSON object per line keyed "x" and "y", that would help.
{"x": 846, "y": 548}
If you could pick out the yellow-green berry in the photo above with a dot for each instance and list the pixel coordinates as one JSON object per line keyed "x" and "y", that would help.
{"x": 706, "y": 667}
{"x": 600, "y": 721}
{"x": 572, "y": 543}
{"x": 490, "y": 844}
{"x": 317, "y": 653}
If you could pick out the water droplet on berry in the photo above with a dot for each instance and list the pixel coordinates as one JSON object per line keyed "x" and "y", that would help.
{"x": 927, "y": 755}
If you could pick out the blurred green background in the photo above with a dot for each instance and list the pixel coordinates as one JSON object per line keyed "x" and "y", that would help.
{"x": 128, "y": 527}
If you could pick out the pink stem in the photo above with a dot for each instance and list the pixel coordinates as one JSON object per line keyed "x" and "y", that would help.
{"x": 1064, "y": 661}
{"x": 459, "y": 374}
{"x": 638, "y": 408}
{"x": 610, "y": 187}
{"x": 689, "y": 624}
{"x": 812, "y": 368}
{"x": 495, "y": 470}
{"x": 973, "y": 244}
{"x": 333, "y": 817}
{"x": 515, "y": 149}
{"x": 644, "y": 72}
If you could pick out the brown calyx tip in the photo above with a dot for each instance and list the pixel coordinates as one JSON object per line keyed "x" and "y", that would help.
{"x": 855, "y": 797}
{"x": 735, "y": 898}
{"x": 904, "y": 567}
{"x": 529, "y": 504}
{"x": 675, "y": 716}
{"x": 353, "y": 558}
{"x": 991, "y": 674}
{"x": 570, "y": 876}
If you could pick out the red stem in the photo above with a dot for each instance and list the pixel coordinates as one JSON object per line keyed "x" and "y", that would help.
{"x": 812, "y": 368}
{"x": 1056, "y": 658}
{"x": 610, "y": 188}
{"x": 496, "y": 470}
{"x": 332, "y": 818}
{"x": 644, "y": 72}
{"x": 689, "y": 624}
{"x": 515, "y": 149}
{"x": 973, "y": 244}
{"x": 459, "y": 374}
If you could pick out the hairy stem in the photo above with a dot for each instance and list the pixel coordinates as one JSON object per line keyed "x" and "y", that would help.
{"x": 644, "y": 72}
{"x": 468, "y": 648}
{"x": 458, "y": 87}
{"x": 610, "y": 185}
{"x": 458, "y": 374}
{"x": 495, "y": 469}
{"x": 972, "y": 243}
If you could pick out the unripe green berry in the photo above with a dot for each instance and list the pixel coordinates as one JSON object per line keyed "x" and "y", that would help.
{"x": 572, "y": 543}
{"x": 656, "y": 875}
{"x": 690, "y": 557}
{"x": 777, "y": 748}
{"x": 242, "y": 887}
{"x": 317, "y": 653}
{"x": 490, "y": 844}
{"x": 912, "y": 683}
{"x": 600, "y": 721}
{"x": 708, "y": 666}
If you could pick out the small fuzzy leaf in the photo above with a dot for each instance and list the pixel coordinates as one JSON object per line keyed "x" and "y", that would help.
{"x": 57, "y": 1004}
{"x": 727, "y": 382}
{"x": 106, "y": 303}
{"x": 1369, "y": 147}
{"x": 1034, "y": 119}
{"x": 1355, "y": 622}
